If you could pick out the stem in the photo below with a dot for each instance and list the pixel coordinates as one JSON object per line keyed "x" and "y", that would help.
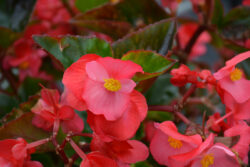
{"x": 192, "y": 40}
{"x": 77, "y": 149}
{"x": 188, "y": 93}
{"x": 37, "y": 143}
{"x": 167, "y": 108}
{"x": 183, "y": 118}
{"x": 224, "y": 117}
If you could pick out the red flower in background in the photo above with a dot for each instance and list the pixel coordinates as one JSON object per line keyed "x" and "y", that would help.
{"x": 186, "y": 32}
{"x": 48, "y": 110}
{"x": 232, "y": 86}
{"x": 167, "y": 141}
{"x": 97, "y": 159}
{"x": 246, "y": 2}
{"x": 123, "y": 152}
{"x": 14, "y": 153}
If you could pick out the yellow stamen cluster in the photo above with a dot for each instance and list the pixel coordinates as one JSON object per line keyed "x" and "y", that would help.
{"x": 236, "y": 74}
{"x": 174, "y": 143}
{"x": 112, "y": 85}
{"x": 207, "y": 160}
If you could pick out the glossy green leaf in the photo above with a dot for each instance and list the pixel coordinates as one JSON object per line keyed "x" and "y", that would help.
{"x": 22, "y": 127}
{"x": 84, "y": 5}
{"x": 116, "y": 20}
{"x": 218, "y": 13}
{"x": 70, "y": 48}
{"x": 152, "y": 63}
{"x": 15, "y": 14}
{"x": 156, "y": 37}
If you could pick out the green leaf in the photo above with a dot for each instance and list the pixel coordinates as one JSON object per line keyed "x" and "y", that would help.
{"x": 22, "y": 127}
{"x": 156, "y": 37}
{"x": 70, "y": 48}
{"x": 116, "y": 20}
{"x": 7, "y": 103}
{"x": 218, "y": 13}
{"x": 152, "y": 63}
{"x": 15, "y": 14}
{"x": 84, "y": 5}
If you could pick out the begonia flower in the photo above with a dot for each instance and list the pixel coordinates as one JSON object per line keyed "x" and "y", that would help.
{"x": 206, "y": 155}
{"x": 232, "y": 86}
{"x": 167, "y": 141}
{"x": 186, "y": 32}
{"x": 104, "y": 84}
{"x": 97, "y": 159}
{"x": 242, "y": 146}
{"x": 124, "y": 152}
{"x": 211, "y": 123}
{"x": 48, "y": 110}
{"x": 15, "y": 153}
{"x": 126, "y": 126}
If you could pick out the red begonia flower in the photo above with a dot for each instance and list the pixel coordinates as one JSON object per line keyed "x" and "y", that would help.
{"x": 14, "y": 153}
{"x": 97, "y": 159}
{"x": 48, "y": 109}
{"x": 211, "y": 123}
{"x": 104, "y": 84}
{"x": 246, "y": 2}
{"x": 149, "y": 129}
{"x": 167, "y": 141}
{"x": 232, "y": 86}
{"x": 126, "y": 126}
{"x": 125, "y": 152}
{"x": 206, "y": 155}
{"x": 186, "y": 32}
{"x": 242, "y": 146}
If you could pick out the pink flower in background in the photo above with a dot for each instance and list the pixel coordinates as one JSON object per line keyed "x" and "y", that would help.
{"x": 123, "y": 152}
{"x": 48, "y": 109}
{"x": 186, "y": 32}
{"x": 246, "y": 2}
{"x": 232, "y": 86}
{"x": 104, "y": 84}
{"x": 171, "y": 4}
{"x": 167, "y": 141}
{"x": 14, "y": 153}
{"x": 206, "y": 155}
{"x": 126, "y": 126}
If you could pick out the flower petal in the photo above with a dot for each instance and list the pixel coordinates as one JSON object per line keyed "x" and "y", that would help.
{"x": 74, "y": 125}
{"x": 96, "y": 71}
{"x": 127, "y": 85}
{"x": 101, "y": 101}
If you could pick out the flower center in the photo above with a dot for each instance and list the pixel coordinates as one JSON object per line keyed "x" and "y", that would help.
{"x": 174, "y": 143}
{"x": 236, "y": 74}
{"x": 112, "y": 85}
{"x": 24, "y": 65}
{"x": 207, "y": 160}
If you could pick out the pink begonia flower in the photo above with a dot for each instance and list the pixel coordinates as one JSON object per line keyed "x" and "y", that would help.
{"x": 206, "y": 155}
{"x": 242, "y": 146}
{"x": 104, "y": 84}
{"x": 124, "y": 152}
{"x": 48, "y": 109}
{"x": 186, "y": 32}
{"x": 232, "y": 87}
{"x": 167, "y": 141}
{"x": 126, "y": 126}
{"x": 97, "y": 159}
{"x": 149, "y": 129}
{"x": 15, "y": 153}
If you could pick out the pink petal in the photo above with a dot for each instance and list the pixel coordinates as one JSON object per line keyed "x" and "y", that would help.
{"x": 33, "y": 164}
{"x": 140, "y": 101}
{"x": 138, "y": 152}
{"x": 74, "y": 125}
{"x": 74, "y": 76}
{"x": 66, "y": 113}
{"x": 96, "y": 71}
{"x": 237, "y": 59}
{"x": 127, "y": 85}
{"x": 68, "y": 98}
{"x": 237, "y": 88}
{"x": 19, "y": 151}
{"x": 121, "y": 129}
{"x": 96, "y": 159}
{"x": 101, "y": 101}
{"x": 39, "y": 122}
{"x": 50, "y": 96}
{"x": 120, "y": 69}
